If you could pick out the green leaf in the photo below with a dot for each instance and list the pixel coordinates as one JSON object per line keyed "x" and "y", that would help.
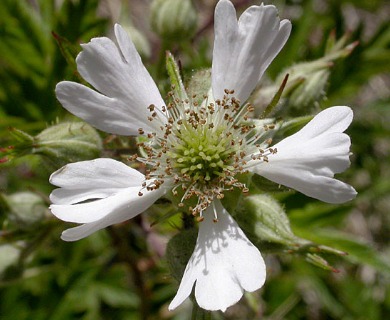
{"x": 115, "y": 296}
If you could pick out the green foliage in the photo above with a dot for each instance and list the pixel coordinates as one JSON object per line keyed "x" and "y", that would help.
{"x": 323, "y": 261}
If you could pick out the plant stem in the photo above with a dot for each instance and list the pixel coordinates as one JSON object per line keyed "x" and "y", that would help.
{"x": 127, "y": 255}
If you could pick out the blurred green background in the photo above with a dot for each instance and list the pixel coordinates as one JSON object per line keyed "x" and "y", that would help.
{"x": 120, "y": 273}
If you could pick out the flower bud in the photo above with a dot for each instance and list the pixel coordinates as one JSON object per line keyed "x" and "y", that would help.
{"x": 68, "y": 142}
{"x": 9, "y": 256}
{"x": 266, "y": 220}
{"x": 307, "y": 81}
{"x": 311, "y": 89}
{"x": 173, "y": 19}
{"x": 140, "y": 41}
{"x": 24, "y": 208}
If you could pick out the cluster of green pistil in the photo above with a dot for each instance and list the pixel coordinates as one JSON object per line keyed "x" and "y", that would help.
{"x": 201, "y": 154}
{"x": 199, "y": 149}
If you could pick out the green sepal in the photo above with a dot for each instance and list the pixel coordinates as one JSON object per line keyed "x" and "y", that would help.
{"x": 68, "y": 50}
{"x": 162, "y": 210}
{"x": 20, "y": 147}
{"x": 179, "y": 251}
{"x": 265, "y": 185}
{"x": 175, "y": 78}
{"x": 275, "y": 100}
{"x": 22, "y": 137}
{"x": 320, "y": 262}
{"x": 262, "y": 130}
{"x": 199, "y": 85}
{"x": 330, "y": 42}
{"x": 288, "y": 128}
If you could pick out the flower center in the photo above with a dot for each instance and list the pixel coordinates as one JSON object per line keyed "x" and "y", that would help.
{"x": 200, "y": 148}
{"x": 202, "y": 154}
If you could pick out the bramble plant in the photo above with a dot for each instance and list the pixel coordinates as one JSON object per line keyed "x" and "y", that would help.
{"x": 216, "y": 185}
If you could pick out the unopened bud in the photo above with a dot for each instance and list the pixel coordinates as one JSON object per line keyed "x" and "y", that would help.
{"x": 9, "y": 256}
{"x": 24, "y": 208}
{"x": 68, "y": 142}
{"x": 307, "y": 81}
{"x": 173, "y": 19}
{"x": 310, "y": 91}
{"x": 140, "y": 41}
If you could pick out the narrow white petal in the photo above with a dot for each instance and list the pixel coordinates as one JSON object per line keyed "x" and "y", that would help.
{"x": 74, "y": 195}
{"x": 96, "y": 173}
{"x": 93, "y": 179}
{"x": 96, "y": 210}
{"x": 244, "y": 49}
{"x": 104, "y": 113}
{"x": 334, "y": 119}
{"x": 308, "y": 160}
{"x": 223, "y": 264}
{"x": 103, "y": 213}
{"x": 126, "y": 88}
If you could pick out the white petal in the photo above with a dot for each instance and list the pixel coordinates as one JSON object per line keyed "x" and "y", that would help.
{"x": 98, "y": 172}
{"x": 308, "y": 160}
{"x": 243, "y": 50}
{"x": 223, "y": 264}
{"x": 125, "y": 86}
{"x": 104, "y": 113}
{"x": 62, "y": 196}
{"x": 334, "y": 119}
{"x": 105, "y": 212}
{"x": 93, "y": 179}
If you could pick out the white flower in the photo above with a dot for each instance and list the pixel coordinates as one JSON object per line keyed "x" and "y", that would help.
{"x": 196, "y": 150}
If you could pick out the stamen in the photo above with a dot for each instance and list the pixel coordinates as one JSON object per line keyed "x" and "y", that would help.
{"x": 201, "y": 148}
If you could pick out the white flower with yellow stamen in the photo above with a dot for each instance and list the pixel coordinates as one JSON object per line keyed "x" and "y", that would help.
{"x": 197, "y": 149}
